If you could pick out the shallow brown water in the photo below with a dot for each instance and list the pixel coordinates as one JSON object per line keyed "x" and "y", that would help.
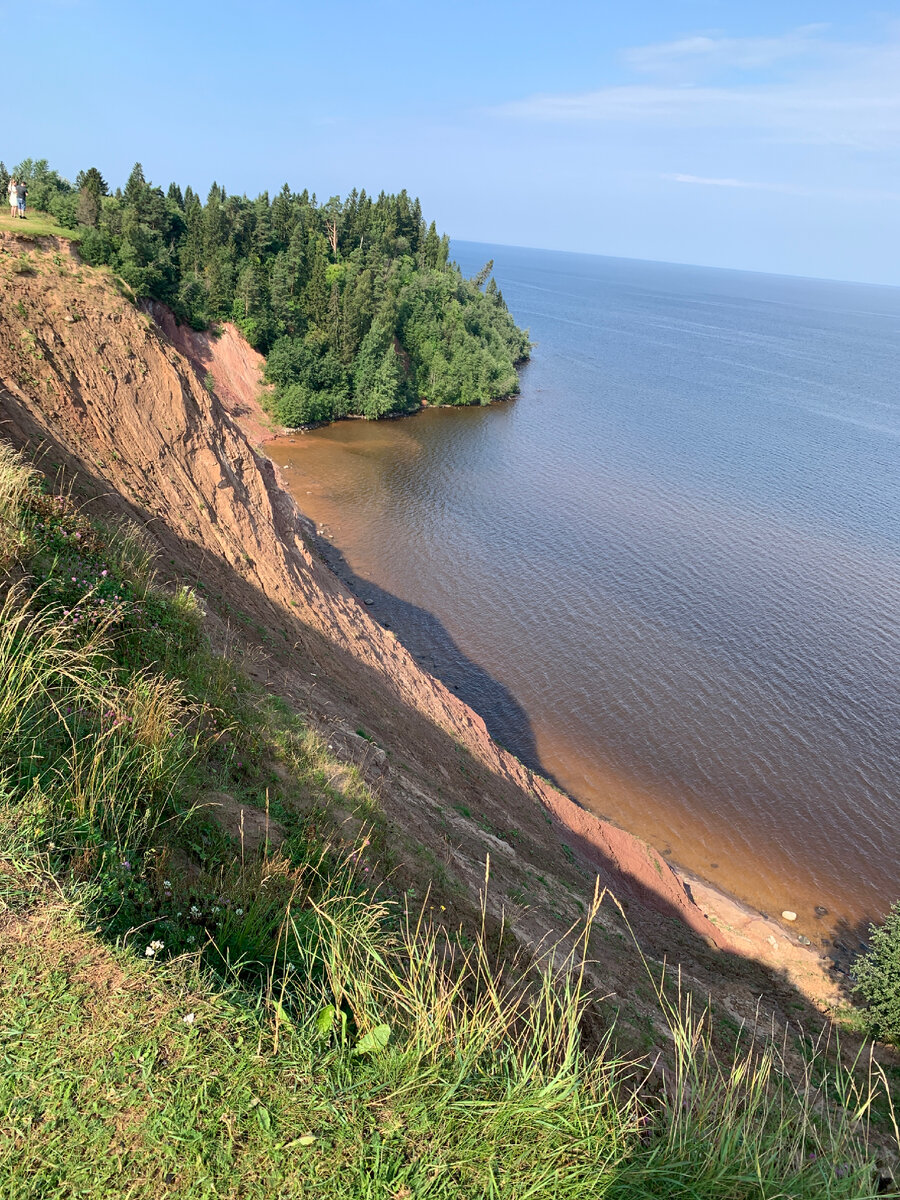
{"x": 668, "y": 574}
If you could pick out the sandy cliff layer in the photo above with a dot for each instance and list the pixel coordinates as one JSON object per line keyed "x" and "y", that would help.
{"x": 94, "y": 387}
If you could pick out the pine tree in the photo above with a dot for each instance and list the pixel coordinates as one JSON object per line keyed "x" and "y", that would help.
{"x": 315, "y": 296}
{"x": 135, "y": 187}
{"x": 283, "y": 217}
{"x": 432, "y": 248}
{"x": 88, "y": 211}
{"x": 91, "y": 180}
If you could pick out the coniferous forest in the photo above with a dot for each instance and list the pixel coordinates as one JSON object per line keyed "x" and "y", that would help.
{"x": 355, "y": 302}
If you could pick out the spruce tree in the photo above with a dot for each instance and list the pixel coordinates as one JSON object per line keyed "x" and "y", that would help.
{"x": 92, "y": 181}
{"x": 135, "y": 187}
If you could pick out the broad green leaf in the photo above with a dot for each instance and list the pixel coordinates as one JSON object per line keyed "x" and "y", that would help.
{"x": 325, "y": 1020}
{"x": 376, "y": 1039}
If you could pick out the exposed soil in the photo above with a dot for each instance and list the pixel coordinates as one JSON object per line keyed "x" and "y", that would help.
{"x": 93, "y": 389}
{"x": 236, "y": 368}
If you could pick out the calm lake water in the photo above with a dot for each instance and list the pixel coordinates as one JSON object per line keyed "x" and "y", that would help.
{"x": 669, "y": 572}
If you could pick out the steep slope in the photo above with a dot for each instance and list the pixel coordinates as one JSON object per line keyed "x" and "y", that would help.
{"x": 233, "y": 365}
{"x": 91, "y": 387}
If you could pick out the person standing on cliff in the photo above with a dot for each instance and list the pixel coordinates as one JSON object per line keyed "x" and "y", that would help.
{"x": 13, "y": 195}
{"x": 21, "y": 193}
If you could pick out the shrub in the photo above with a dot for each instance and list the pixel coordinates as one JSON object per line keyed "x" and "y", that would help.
{"x": 878, "y": 978}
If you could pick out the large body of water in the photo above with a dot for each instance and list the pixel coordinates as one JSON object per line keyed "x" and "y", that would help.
{"x": 669, "y": 572}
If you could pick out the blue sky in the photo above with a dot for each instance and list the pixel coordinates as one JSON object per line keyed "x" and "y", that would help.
{"x": 758, "y": 135}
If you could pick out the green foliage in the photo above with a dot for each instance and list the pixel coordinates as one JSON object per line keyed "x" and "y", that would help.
{"x": 353, "y": 301}
{"x": 878, "y": 978}
{"x": 47, "y": 190}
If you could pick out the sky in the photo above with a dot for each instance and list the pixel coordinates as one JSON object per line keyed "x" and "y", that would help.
{"x": 730, "y": 133}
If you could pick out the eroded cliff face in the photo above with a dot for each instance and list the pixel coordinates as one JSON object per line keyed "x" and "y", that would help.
{"x": 92, "y": 387}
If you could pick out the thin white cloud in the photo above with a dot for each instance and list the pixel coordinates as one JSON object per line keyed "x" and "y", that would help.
{"x": 852, "y": 99}
{"x": 791, "y": 189}
{"x": 704, "y": 181}
{"x": 705, "y": 53}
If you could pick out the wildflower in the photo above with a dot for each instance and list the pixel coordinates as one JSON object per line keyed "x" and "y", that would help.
{"x": 195, "y": 911}
{"x": 167, "y": 884}
{"x": 153, "y": 949}
{"x": 189, "y": 1018}
{"x": 238, "y": 912}
{"x": 126, "y": 865}
{"x": 103, "y": 574}
{"x": 216, "y": 910}
{"x": 191, "y": 940}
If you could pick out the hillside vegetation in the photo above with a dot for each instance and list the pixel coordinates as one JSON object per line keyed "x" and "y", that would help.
{"x": 207, "y": 994}
{"x": 353, "y": 301}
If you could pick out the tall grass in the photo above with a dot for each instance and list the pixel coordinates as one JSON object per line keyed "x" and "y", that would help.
{"x": 16, "y": 478}
{"x": 763, "y": 1122}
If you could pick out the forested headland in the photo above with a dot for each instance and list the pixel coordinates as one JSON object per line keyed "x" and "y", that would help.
{"x": 354, "y": 302}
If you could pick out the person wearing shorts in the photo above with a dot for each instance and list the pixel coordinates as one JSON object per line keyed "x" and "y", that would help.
{"x": 13, "y": 198}
{"x": 21, "y": 193}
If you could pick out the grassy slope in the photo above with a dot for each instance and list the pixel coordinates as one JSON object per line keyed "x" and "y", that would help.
{"x": 338, "y": 1047}
{"x": 36, "y": 224}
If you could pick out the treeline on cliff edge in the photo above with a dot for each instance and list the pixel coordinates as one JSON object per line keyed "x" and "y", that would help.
{"x": 354, "y": 302}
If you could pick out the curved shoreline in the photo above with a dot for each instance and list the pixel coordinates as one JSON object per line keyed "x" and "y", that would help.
{"x": 726, "y": 921}
{"x": 720, "y": 918}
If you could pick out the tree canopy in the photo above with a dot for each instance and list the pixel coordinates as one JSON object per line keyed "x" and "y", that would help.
{"x": 354, "y": 301}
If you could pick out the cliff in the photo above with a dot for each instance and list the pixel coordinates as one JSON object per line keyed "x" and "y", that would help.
{"x": 112, "y": 399}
